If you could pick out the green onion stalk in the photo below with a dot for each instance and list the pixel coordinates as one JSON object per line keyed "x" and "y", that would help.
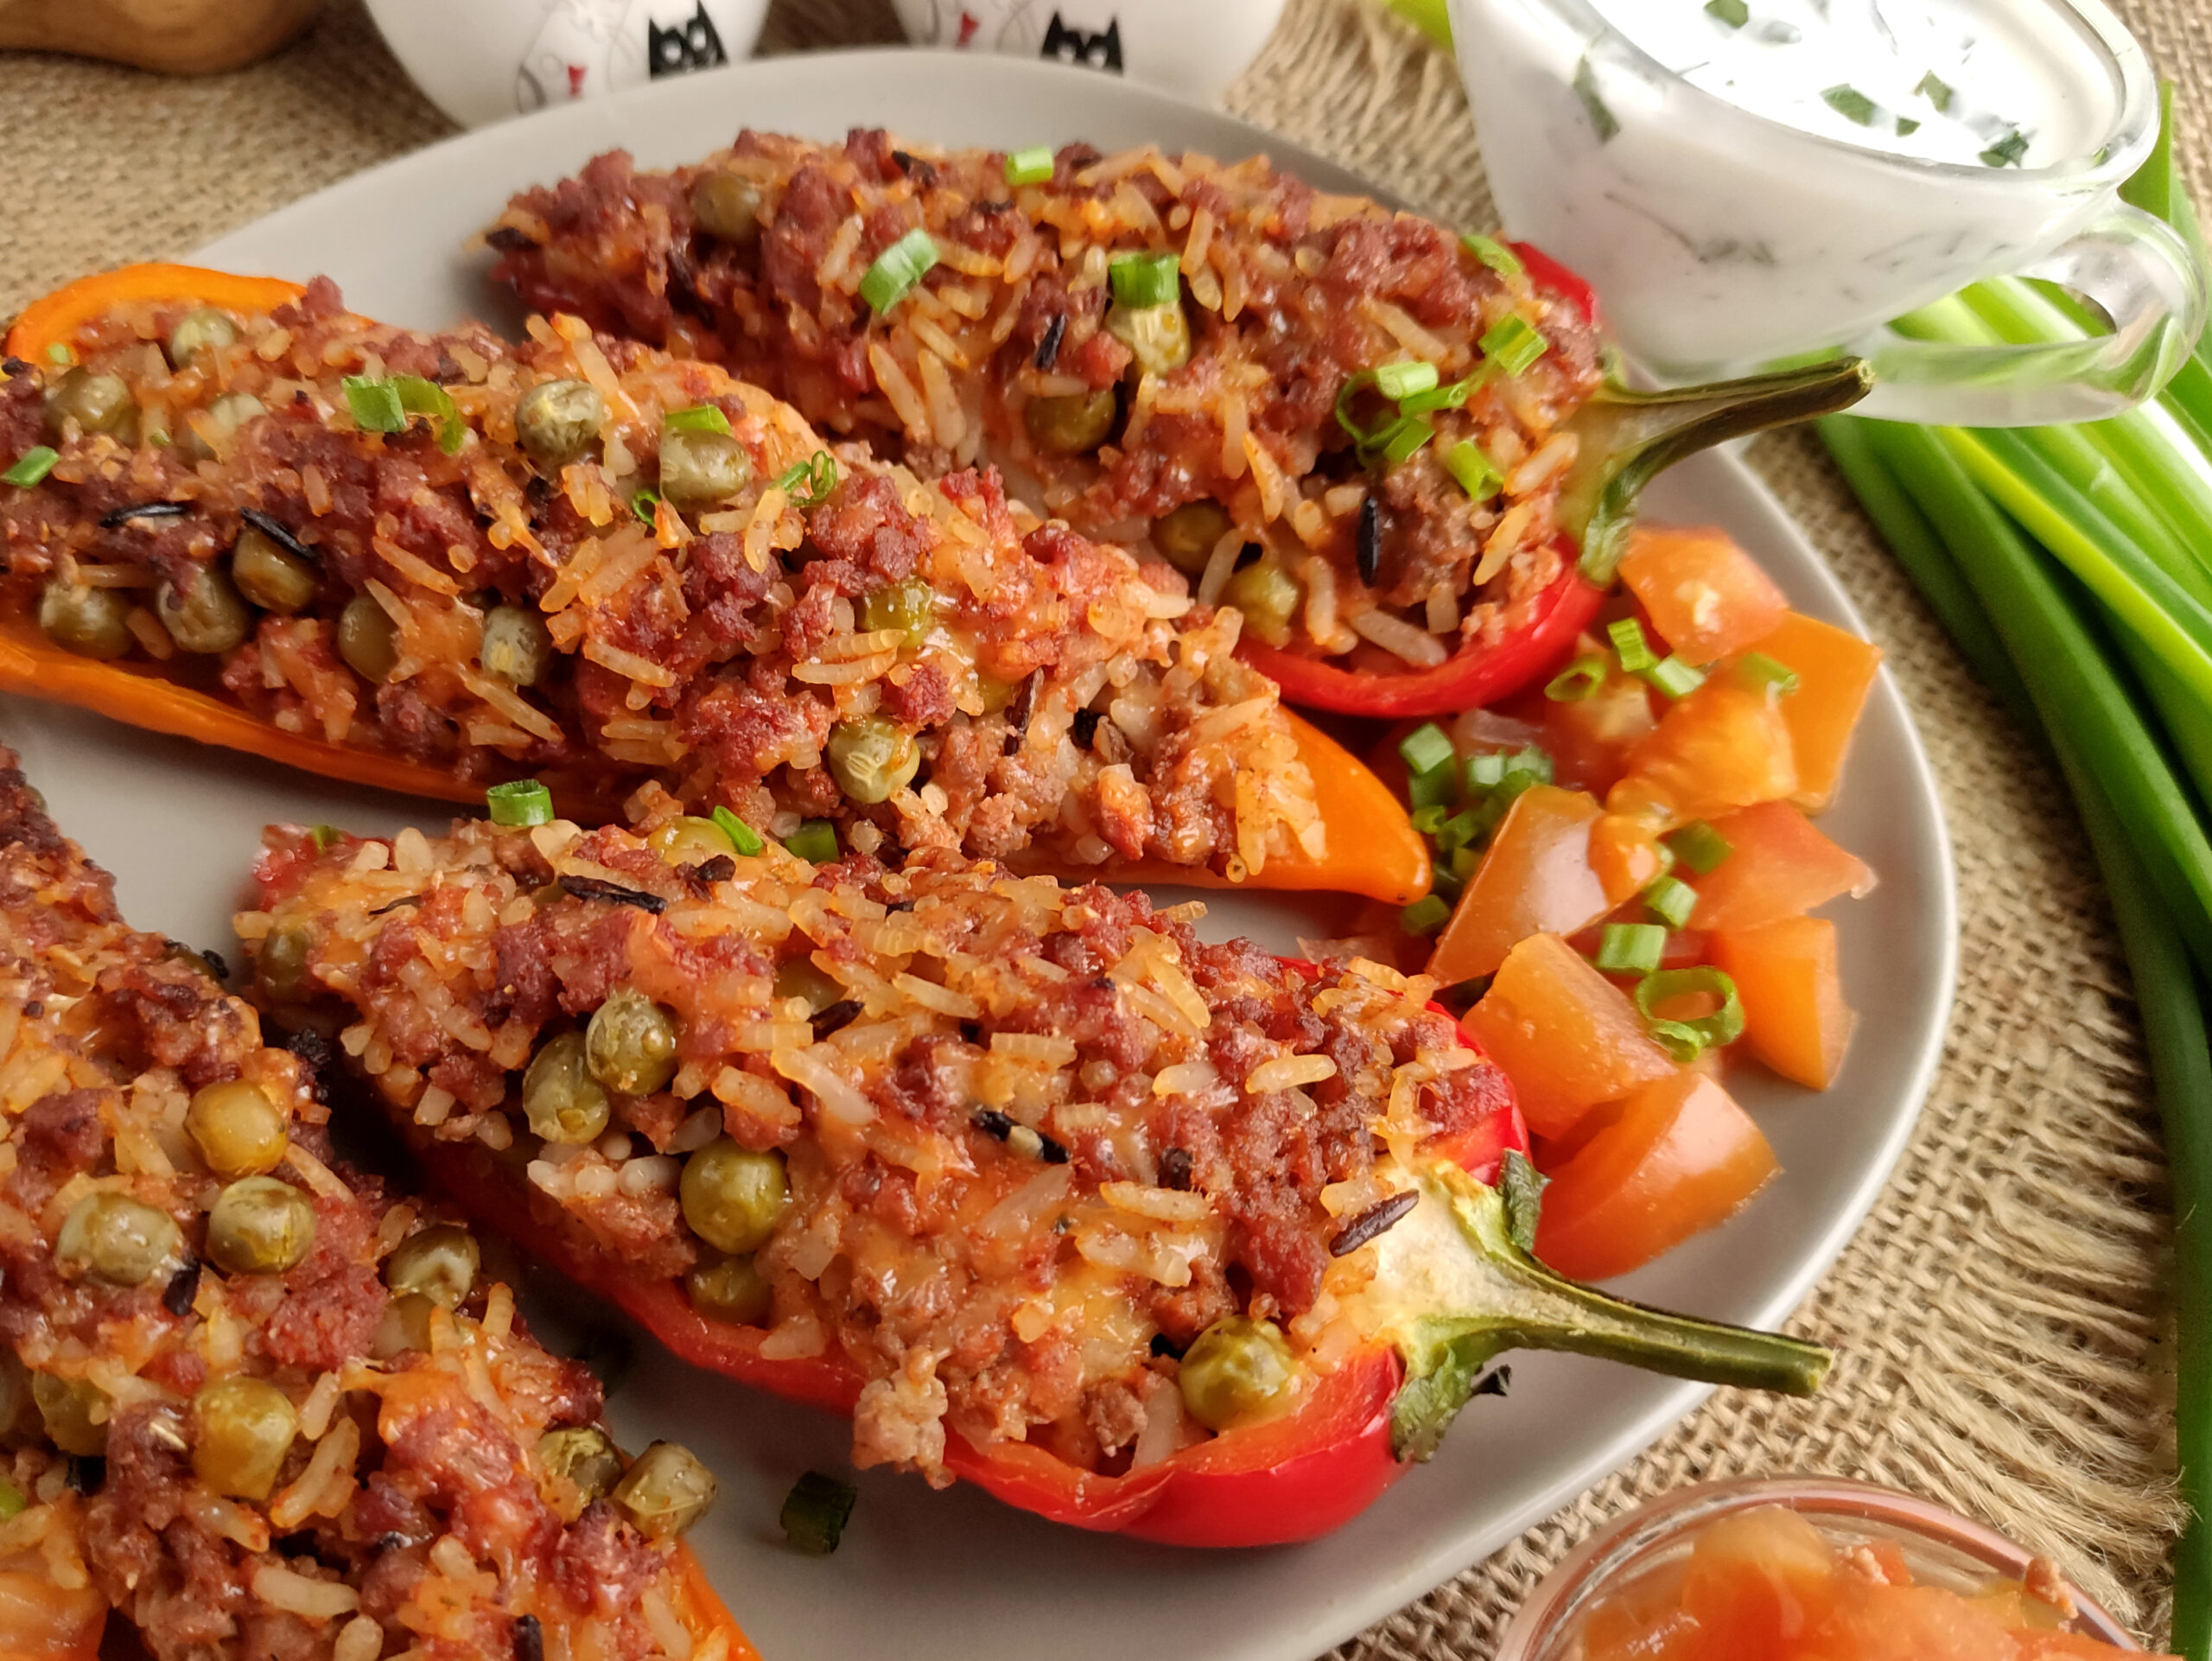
{"x": 2073, "y": 566}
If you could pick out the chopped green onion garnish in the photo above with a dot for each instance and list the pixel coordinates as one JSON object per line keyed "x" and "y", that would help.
{"x": 426, "y": 397}
{"x": 1769, "y": 672}
{"x": 1400, "y": 380}
{"x": 1671, "y": 900}
{"x": 1578, "y": 680}
{"x": 1513, "y": 344}
{"x": 1458, "y": 831}
{"x": 1143, "y": 280}
{"x": 522, "y": 801}
{"x": 699, "y": 418}
{"x": 1426, "y": 915}
{"x": 1934, "y": 92}
{"x": 1477, "y": 474}
{"x": 1465, "y": 858}
{"x": 1430, "y": 820}
{"x": 818, "y": 474}
{"x": 1494, "y": 254}
{"x": 1445, "y": 885}
{"x": 325, "y": 838}
{"x": 1851, "y": 103}
{"x": 1426, "y": 749}
{"x": 375, "y": 404}
{"x": 1486, "y": 770}
{"x": 1451, "y": 395}
{"x": 1603, "y": 122}
{"x": 742, "y": 836}
{"x": 11, "y": 1499}
{"x": 57, "y": 352}
{"x": 815, "y": 1513}
{"x": 896, "y": 270}
{"x": 1630, "y": 948}
{"x": 1438, "y": 785}
{"x": 1675, "y": 678}
{"x": 1353, "y": 386}
{"x": 1031, "y": 167}
{"x": 1734, "y": 13}
{"x": 1907, "y": 126}
{"x": 814, "y": 842}
{"x": 1634, "y": 652}
{"x": 1701, "y": 847}
{"x": 32, "y": 465}
{"x": 644, "y": 503}
{"x": 2006, "y": 152}
{"x": 1686, "y": 1040}
{"x": 1408, "y": 434}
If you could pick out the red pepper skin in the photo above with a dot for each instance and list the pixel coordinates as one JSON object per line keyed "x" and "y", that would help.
{"x": 1476, "y": 675}
{"x": 1554, "y": 279}
{"x": 1292, "y": 1479}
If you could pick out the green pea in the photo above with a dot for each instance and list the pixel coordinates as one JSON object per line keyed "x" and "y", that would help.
{"x": 730, "y": 1290}
{"x": 439, "y": 1263}
{"x": 728, "y": 206}
{"x": 75, "y": 1411}
{"x": 1185, "y": 536}
{"x": 367, "y": 638}
{"x": 281, "y": 963}
{"x": 205, "y": 615}
{"x": 84, "y": 619}
{"x": 703, "y": 469}
{"x": 238, "y": 1130}
{"x": 272, "y": 577}
{"x": 1268, "y": 596}
{"x": 517, "y": 646}
{"x": 665, "y": 1492}
{"x": 1238, "y": 1370}
{"x": 562, "y": 1100}
{"x": 586, "y": 1455}
{"x": 195, "y": 332}
{"x": 801, "y": 978}
{"x": 258, "y": 1226}
{"x": 241, "y": 1431}
{"x": 112, "y": 1238}
{"x": 1072, "y": 424}
{"x": 630, "y": 1044}
{"x": 1160, "y": 335}
{"x": 870, "y": 758}
{"x": 732, "y": 1197}
{"x": 690, "y": 841}
{"x": 404, "y": 1326}
{"x": 97, "y": 403}
{"x": 557, "y": 422}
{"x": 909, "y": 604}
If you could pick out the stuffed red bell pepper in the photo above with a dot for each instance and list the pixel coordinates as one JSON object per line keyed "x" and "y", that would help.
{"x": 1397, "y": 449}
{"x": 1136, "y": 1232}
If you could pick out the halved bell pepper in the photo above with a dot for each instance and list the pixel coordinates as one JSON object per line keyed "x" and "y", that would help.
{"x": 1627, "y": 438}
{"x": 1370, "y": 847}
{"x": 1285, "y": 1479}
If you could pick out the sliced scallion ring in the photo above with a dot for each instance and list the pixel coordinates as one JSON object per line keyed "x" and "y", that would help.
{"x": 814, "y": 842}
{"x": 1630, "y": 948}
{"x": 429, "y": 399}
{"x": 1494, "y": 254}
{"x": 896, "y": 270}
{"x": 699, "y": 418}
{"x": 1513, "y": 344}
{"x": 1629, "y": 644}
{"x": 374, "y": 405}
{"x": 1402, "y": 381}
{"x": 32, "y": 465}
{"x": 519, "y": 802}
{"x": 1404, "y": 439}
{"x": 1426, "y": 749}
{"x": 1426, "y": 915}
{"x": 1675, "y": 678}
{"x": 1578, "y": 680}
{"x": 816, "y": 1512}
{"x": 742, "y": 836}
{"x": 1143, "y": 280}
{"x": 1686, "y": 1040}
{"x": 809, "y": 483}
{"x": 1701, "y": 847}
{"x": 1031, "y": 167}
{"x": 1478, "y": 476}
{"x": 642, "y": 505}
{"x": 1771, "y": 673}
{"x": 1671, "y": 900}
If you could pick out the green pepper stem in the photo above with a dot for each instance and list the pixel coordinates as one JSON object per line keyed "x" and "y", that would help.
{"x": 1629, "y": 437}
{"x": 1453, "y": 1290}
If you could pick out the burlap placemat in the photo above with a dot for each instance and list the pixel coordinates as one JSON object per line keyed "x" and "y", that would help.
{"x": 2001, "y": 1317}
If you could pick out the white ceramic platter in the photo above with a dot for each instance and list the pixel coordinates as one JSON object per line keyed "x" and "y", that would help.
{"x": 923, "y": 1575}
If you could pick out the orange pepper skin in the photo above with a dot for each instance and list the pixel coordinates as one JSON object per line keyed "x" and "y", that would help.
{"x": 54, "y": 318}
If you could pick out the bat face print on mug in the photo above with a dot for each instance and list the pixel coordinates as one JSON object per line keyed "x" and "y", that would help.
{"x": 587, "y": 47}
{"x": 1196, "y": 50}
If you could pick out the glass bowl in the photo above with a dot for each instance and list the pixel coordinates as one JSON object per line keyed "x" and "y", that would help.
{"x": 1943, "y": 1549}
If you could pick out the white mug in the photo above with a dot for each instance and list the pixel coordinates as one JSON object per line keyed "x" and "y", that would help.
{"x": 1718, "y": 240}
{"x": 1192, "y": 47}
{"x": 482, "y": 60}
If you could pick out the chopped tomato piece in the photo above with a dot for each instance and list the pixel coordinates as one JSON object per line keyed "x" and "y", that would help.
{"x": 1704, "y": 595}
{"x": 1566, "y": 1036}
{"x": 1535, "y": 879}
{"x": 1757, "y": 1583}
{"x": 1642, "y": 1621}
{"x": 1725, "y": 746}
{"x": 1625, "y": 854}
{"x": 1835, "y": 669}
{"x": 1590, "y": 739}
{"x": 1681, "y": 1157}
{"x": 1777, "y": 866}
{"x": 1908, "y": 1623}
{"x": 1795, "y": 1018}
{"x": 2049, "y": 1646}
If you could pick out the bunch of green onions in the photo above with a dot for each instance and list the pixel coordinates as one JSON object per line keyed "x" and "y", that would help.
{"x": 2073, "y": 566}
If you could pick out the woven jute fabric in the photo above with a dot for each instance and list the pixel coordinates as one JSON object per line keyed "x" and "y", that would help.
{"x": 2001, "y": 1318}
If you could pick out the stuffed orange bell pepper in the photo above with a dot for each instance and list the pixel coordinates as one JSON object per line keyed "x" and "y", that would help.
{"x": 233, "y": 510}
{"x": 1136, "y": 1232}
{"x": 259, "y": 1405}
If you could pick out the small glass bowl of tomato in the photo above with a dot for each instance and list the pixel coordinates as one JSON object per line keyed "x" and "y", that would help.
{"x": 1804, "y": 1569}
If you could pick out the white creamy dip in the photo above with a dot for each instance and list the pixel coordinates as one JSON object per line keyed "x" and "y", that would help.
{"x": 1967, "y": 82}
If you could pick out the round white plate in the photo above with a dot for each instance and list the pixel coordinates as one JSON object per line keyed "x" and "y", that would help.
{"x": 923, "y": 1575}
